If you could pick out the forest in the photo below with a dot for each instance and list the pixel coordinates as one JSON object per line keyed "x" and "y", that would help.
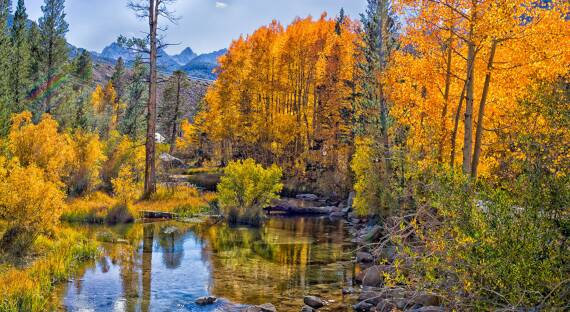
{"x": 415, "y": 157}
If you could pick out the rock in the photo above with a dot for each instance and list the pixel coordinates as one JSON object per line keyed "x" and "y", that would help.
{"x": 429, "y": 309}
{"x": 427, "y": 299}
{"x": 206, "y": 300}
{"x": 402, "y": 303}
{"x": 306, "y": 308}
{"x": 373, "y": 234}
{"x": 364, "y": 257}
{"x": 307, "y": 197}
{"x": 374, "y": 275}
{"x": 372, "y": 297}
{"x": 385, "y": 306}
{"x": 313, "y": 301}
{"x": 337, "y": 215}
{"x": 362, "y": 306}
{"x": 267, "y": 307}
{"x": 345, "y": 210}
{"x": 169, "y": 230}
{"x": 388, "y": 253}
{"x": 170, "y": 161}
{"x": 348, "y": 291}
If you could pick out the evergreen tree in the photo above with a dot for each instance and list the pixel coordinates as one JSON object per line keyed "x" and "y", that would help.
{"x": 20, "y": 61}
{"x": 379, "y": 41}
{"x": 83, "y": 73}
{"x": 172, "y": 106}
{"x": 118, "y": 81}
{"x": 35, "y": 55}
{"x": 133, "y": 122}
{"x": 83, "y": 67}
{"x": 53, "y": 47}
{"x": 5, "y": 106}
{"x": 339, "y": 21}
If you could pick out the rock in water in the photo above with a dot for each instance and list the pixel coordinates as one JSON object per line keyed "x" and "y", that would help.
{"x": 267, "y": 307}
{"x": 206, "y": 300}
{"x": 306, "y": 308}
{"x": 313, "y": 301}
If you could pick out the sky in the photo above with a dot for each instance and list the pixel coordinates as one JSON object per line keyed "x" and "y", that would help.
{"x": 204, "y": 25}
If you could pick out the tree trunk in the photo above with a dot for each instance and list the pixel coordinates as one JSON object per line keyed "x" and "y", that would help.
{"x": 481, "y": 114}
{"x": 150, "y": 169}
{"x": 468, "y": 123}
{"x": 445, "y": 100}
{"x": 455, "y": 128}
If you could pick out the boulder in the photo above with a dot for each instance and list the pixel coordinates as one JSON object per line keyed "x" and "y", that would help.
{"x": 373, "y": 276}
{"x": 337, "y": 215}
{"x": 267, "y": 307}
{"x": 205, "y": 300}
{"x": 429, "y": 309}
{"x": 372, "y": 297}
{"x": 306, "y": 308}
{"x": 364, "y": 257}
{"x": 426, "y": 299}
{"x": 313, "y": 301}
{"x": 348, "y": 291}
{"x": 385, "y": 306}
{"x": 307, "y": 197}
{"x": 362, "y": 306}
{"x": 373, "y": 234}
{"x": 350, "y": 200}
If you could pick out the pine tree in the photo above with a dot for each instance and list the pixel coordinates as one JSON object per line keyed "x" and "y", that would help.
{"x": 132, "y": 123}
{"x": 339, "y": 21}
{"x": 35, "y": 55}
{"x": 83, "y": 67}
{"x": 379, "y": 41}
{"x": 20, "y": 61}
{"x": 5, "y": 98}
{"x": 118, "y": 80}
{"x": 83, "y": 73}
{"x": 172, "y": 106}
{"x": 53, "y": 47}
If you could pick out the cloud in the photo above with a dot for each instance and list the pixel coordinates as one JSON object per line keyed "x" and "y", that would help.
{"x": 221, "y": 5}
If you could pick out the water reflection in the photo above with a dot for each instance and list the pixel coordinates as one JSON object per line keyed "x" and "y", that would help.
{"x": 166, "y": 266}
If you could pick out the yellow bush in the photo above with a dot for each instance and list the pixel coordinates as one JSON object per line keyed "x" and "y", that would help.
{"x": 126, "y": 186}
{"x": 29, "y": 201}
{"x": 122, "y": 152}
{"x": 41, "y": 145}
{"x": 88, "y": 160}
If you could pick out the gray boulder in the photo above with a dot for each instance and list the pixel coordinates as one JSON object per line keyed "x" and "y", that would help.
{"x": 429, "y": 309}
{"x": 307, "y": 197}
{"x": 313, "y": 301}
{"x": 373, "y": 276}
{"x": 364, "y": 257}
{"x": 169, "y": 161}
{"x": 362, "y": 306}
{"x": 306, "y": 308}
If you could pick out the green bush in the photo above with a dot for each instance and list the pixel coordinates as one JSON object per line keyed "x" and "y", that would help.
{"x": 246, "y": 188}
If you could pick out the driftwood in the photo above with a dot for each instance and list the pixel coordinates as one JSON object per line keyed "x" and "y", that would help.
{"x": 295, "y": 210}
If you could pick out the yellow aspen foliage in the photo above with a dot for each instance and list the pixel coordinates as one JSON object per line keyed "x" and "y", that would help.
{"x": 41, "y": 145}
{"x": 30, "y": 202}
{"x": 89, "y": 158}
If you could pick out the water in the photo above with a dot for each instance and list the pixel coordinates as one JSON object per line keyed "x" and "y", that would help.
{"x": 166, "y": 266}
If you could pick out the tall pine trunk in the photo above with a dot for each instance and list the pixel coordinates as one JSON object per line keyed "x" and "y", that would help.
{"x": 150, "y": 168}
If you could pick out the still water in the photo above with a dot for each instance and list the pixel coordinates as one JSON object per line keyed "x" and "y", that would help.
{"x": 166, "y": 266}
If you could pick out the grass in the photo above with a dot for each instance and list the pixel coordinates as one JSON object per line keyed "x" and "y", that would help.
{"x": 101, "y": 208}
{"x": 55, "y": 260}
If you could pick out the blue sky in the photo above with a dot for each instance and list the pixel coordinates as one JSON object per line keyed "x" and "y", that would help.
{"x": 205, "y": 25}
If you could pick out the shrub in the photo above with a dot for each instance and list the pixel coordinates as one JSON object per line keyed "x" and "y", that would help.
{"x": 29, "y": 201}
{"x": 88, "y": 160}
{"x": 245, "y": 188}
{"x": 126, "y": 186}
{"x": 484, "y": 249}
{"x": 41, "y": 145}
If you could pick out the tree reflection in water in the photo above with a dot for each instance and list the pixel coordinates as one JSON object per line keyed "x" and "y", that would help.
{"x": 277, "y": 263}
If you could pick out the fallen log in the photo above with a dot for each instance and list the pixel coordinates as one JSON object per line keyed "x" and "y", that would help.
{"x": 146, "y": 214}
{"x": 294, "y": 210}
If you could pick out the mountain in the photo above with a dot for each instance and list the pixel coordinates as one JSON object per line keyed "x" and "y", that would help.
{"x": 197, "y": 66}
{"x": 185, "y": 56}
{"x": 203, "y": 65}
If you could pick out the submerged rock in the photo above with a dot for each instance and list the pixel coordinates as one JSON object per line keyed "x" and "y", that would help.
{"x": 206, "y": 300}
{"x": 306, "y": 308}
{"x": 313, "y": 301}
{"x": 307, "y": 197}
{"x": 266, "y": 307}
